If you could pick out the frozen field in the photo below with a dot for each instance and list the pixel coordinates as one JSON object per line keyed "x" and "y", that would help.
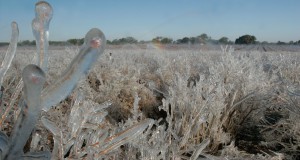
{"x": 239, "y": 102}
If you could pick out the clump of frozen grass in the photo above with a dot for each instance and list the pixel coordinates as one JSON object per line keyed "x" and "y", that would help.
{"x": 88, "y": 136}
{"x": 232, "y": 89}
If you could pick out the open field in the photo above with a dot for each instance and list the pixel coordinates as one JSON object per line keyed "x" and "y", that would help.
{"x": 209, "y": 101}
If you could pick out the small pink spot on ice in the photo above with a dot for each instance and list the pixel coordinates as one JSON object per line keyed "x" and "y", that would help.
{"x": 35, "y": 79}
{"x": 95, "y": 43}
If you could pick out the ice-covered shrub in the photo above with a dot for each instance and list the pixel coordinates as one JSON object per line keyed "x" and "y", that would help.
{"x": 40, "y": 29}
{"x": 35, "y": 99}
{"x": 34, "y": 79}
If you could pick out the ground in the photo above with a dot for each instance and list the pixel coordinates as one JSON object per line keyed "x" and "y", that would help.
{"x": 243, "y": 100}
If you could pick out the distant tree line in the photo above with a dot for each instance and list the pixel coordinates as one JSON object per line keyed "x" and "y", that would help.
{"x": 126, "y": 40}
{"x": 246, "y": 39}
{"x": 32, "y": 43}
{"x": 201, "y": 39}
{"x": 4, "y": 44}
{"x": 74, "y": 41}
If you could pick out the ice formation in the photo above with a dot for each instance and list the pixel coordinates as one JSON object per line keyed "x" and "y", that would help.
{"x": 57, "y": 151}
{"x": 92, "y": 48}
{"x": 11, "y": 51}
{"x": 36, "y": 99}
{"x": 10, "y": 54}
{"x": 34, "y": 79}
{"x": 125, "y": 136}
{"x": 40, "y": 29}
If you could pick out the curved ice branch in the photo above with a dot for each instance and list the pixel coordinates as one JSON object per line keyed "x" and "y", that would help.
{"x": 58, "y": 149}
{"x": 123, "y": 137}
{"x": 34, "y": 79}
{"x": 43, "y": 155}
{"x": 92, "y": 48}
{"x": 11, "y": 51}
{"x": 40, "y": 29}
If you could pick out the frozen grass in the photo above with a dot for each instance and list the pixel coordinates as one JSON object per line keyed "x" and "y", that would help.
{"x": 137, "y": 102}
{"x": 212, "y": 103}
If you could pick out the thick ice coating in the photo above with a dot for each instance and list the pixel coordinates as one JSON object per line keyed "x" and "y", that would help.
{"x": 92, "y": 48}
{"x": 43, "y": 11}
{"x": 40, "y": 28}
{"x": 34, "y": 79}
{"x": 33, "y": 76}
{"x": 11, "y": 51}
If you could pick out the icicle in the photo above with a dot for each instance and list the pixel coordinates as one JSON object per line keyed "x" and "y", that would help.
{"x": 200, "y": 148}
{"x": 58, "y": 149}
{"x": 11, "y": 51}
{"x": 36, "y": 138}
{"x": 40, "y": 29}
{"x": 136, "y": 105}
{"x": 75, "y": 116}
{"x": 93, "y": 47}
{"x": 34, "y": 79}
{"x": 125, "y": 136}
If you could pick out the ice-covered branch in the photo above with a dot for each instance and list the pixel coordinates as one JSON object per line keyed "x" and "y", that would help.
{"x": 40, "y": 29}
{"x": 11, "y": 51}
{"x": 57, "y": 151}
{"x": 34, "y": 79}
{"x": 93, "y": 46}
{"x": 125, "y": 136}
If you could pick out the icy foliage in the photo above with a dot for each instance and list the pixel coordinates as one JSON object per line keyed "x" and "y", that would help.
{"x": 92, "y": 48}
{"x": 208, "y": 96}
{"x": 85, "y": 120}
{"x": 10, "y": 53}
{"x": 34, "y": 79}
{"x": 84, "y": 125}
{"x": 40, "y": 29}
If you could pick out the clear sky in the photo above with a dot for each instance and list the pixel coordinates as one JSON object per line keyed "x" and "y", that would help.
{"x": 268, "y": 20}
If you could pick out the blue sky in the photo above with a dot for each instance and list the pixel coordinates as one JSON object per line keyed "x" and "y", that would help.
{"x": 268, "y": 20}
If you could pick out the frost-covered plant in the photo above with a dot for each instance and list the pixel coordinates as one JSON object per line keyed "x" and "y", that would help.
{"x": 234, "y": 90}
{"x": 37, "y": 99}
{"x": 34, "y": 79}
{"x": 40, "y": 29}
{"x": 11, "y": 51}
{"x": 10, "y": 54}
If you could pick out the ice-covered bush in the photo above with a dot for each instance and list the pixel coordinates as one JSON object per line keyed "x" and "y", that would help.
{"x": 37, "y": 98}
